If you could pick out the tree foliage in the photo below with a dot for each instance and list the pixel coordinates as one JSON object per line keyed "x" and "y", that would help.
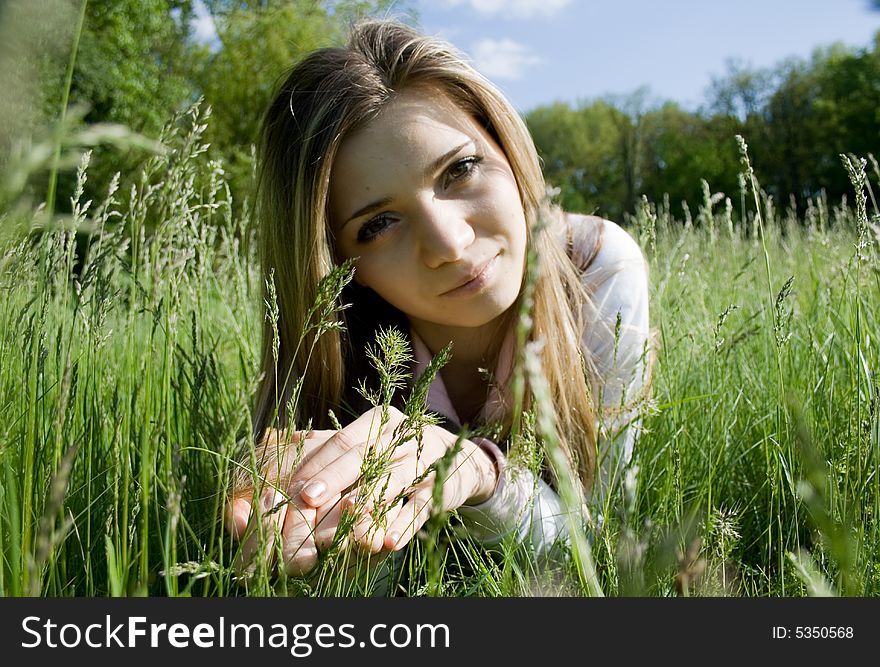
{"x": 139, "y": 63}
{"x": 131, "y": 63}
{"x": 257, "y": 41}
{"x": 798, "y": 118}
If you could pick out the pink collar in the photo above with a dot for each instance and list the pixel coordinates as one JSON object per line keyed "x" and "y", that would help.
{"x": 498, "y": 400}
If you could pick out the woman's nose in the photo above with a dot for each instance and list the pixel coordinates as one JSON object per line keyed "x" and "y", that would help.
{"x": 444, "y": 233}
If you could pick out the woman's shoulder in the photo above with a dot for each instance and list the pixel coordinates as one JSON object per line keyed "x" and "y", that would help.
{"x": 597, "y": 245}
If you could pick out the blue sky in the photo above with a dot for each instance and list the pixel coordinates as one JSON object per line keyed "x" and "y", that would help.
{"x": 539, "y": 51}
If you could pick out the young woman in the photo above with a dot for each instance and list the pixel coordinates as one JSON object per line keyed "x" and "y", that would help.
{"x": 394, "y": 153}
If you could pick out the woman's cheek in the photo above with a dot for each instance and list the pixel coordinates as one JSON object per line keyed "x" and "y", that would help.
{"x": 371, "y": 272}
{"x": 362, "y": 273}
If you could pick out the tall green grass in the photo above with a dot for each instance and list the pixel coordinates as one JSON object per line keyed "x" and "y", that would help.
{"x": 129, "y": 359}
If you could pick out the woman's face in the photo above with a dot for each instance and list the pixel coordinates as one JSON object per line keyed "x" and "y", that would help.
{"x": 428, "y": 203}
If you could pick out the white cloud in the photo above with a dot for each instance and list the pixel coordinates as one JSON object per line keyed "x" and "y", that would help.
{"x": 521, "y": 9}
{"x": 503, "y": 58}
{"x": 202, "y": 25}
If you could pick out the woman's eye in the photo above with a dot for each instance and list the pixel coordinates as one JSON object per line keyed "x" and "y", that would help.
{"x": 462, "y": 170}
{"x": 374, "y": 228}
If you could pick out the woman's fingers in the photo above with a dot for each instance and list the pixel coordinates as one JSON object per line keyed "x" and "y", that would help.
{"x": 237, "y": 511}
{"x": 294, "y": 528}
{"x": 262, "y": 530}
{"x": 377, "y": 507}
{"x": 388, "y": 525}
{"x": 397, "y": 475}
{"x": 410, "y": 518}
{"x": 314, "y": 441}
{"x": 337, "y": 464}
{"x": 299, "y": 553}
{"x": 418, "y": 510}
{"x": 328, "y": 519}
{"x": 371, "y": 528}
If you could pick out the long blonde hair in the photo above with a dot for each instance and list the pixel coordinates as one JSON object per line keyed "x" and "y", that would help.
{"x": 323, "y": 98}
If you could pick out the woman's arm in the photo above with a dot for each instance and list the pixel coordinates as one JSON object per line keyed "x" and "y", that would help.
{"x": 523, "y": 508}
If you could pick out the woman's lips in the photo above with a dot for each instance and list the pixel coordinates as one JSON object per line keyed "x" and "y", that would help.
{"x": 477, "y": 283}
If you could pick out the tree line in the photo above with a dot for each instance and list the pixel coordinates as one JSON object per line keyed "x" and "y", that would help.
{"x": 798, "y": 118}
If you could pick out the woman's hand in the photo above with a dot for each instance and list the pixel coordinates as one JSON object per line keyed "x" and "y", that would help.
{"x": 274, "y": 521}
{"x": 288, "y": 524}
{"x": 384, "y": 467}
{"x": 363, "y": 469}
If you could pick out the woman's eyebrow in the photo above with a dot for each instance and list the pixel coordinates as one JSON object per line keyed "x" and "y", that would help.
{"x": 440, "y": 161}
{"x": 385, "y": 201}
{"x": 369, "y": 208}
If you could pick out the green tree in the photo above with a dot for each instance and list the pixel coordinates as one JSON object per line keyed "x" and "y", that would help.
{"x": 798, "y": 117}
{"x": 581, "y": 149}
{"x": 628, "y": 118}
{"x": 741, "y": 92}
{"x": 257, "y": 41}
{"x": 787, "y": 149}
{"x": 847, "y": 109}
{"x": 681, "y": 149}
{"x": 138, "y": 65}
{"x": 562, "y": 139}
{"x": 819, "y": 109}
{"x": 131, "y": 69}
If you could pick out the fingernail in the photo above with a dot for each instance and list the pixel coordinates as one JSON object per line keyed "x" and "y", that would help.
{"x": 392, "y": 539}
{"x": 314, "y": 489}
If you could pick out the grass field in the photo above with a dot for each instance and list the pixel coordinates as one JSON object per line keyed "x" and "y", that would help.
{"x": 127, "y": 374}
